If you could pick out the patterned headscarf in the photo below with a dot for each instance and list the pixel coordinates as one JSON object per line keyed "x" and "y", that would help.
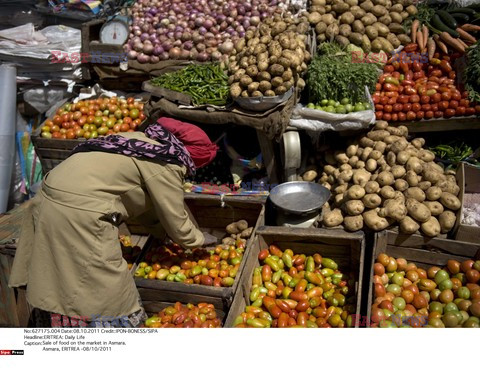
{"x": 170, "y": 149}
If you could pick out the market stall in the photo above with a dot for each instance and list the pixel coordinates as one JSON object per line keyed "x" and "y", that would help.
{"x": 371, "y": 107}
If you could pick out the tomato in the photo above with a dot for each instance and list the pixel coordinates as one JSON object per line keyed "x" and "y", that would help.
{"x": 418, "y": 75}
{"x": 446, "y": 96}
{"x": 470, "y": 111}
{"x": 397, "y": 107}
{"x": 426, "y": 107}
{"x": 407, "y": 107}
{"x": 70, "y": 134}
{"x": 443, "y": 105}
{"x": 408, "y": 83}
{"x": 431, "y": 92}
{"x": 452, "y": 75}
{"x": 428, "y": 114}
{"x": 387, "y": 117}
{"x": 118, "y": 114}
{"x": 396, "y": 75}
{"x": 464, "y": 102}
{"x": 116, "y": 128}
{"x": 392, "y": 100}
{"x": 434, "y": 79}
{"x": 416, "y": 107}
{"x": 403, "y": 98}
{"x": 411, "y": 115}
{"x": 394, "y": 117}
{"x": 57, "y": 120}
{"x": 378, "y": 114}
{"x": 414, "y": 98}
{"x": 449, "y": 113}
{"x": 378, "y": 87}
{"x": 456, "y": 96}
{"x": 409, "y": 91}
{"x": 424, "y": 99}
{"x": 434, "y": 107}
{"x": 387, "y": 108}
{"x": 402, "y": 116}
{"x": 379, "y": 107}
{"x": 432, "y": 85}
{"x": 384, "y": 100}
{"x": 460, "y": 111}
{"x": 438, "y": 114}
{"x": 436, "y": 73}
{"x": 453, "y": 104}
{"x": 127, "y": 120}
{"x": 124, "y": 127}
{"x": 420, "y": 114}
{"x": 79, "y": 133}
{"x": 391, "y": 95}
{"x": 388, "y": 68}
{"x": 417, "y": 67}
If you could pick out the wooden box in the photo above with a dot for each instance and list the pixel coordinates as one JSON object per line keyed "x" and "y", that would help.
{"x": 347, "y": 249}
{"x": 212, "y": 215}
{"x": 468, "y": 178}
{"x": 52, "y": 152}
{"x": 425, "y": 252}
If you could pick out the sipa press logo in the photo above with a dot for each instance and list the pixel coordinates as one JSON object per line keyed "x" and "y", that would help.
{"x": 10, "y": 352}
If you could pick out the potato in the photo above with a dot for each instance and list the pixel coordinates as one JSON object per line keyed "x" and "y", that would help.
{"x": 361, "y": 177}
{"x": 418, "y": 143}
{"x": 398, "y": 171}
{"x": 398, "y": 146}
{"x": 385, "y": 178}
{"x": 342, "y": 41}
{"x": 374, "y": 221}
{"x": 340, "y": 7}
{"x": 371, "y": 165}
{"x": 355, "y": 38}
{"x": 417, "y": 210}
{"x": 395, "y": 27}
{"x": 404, "y": 38}
{"x": 401, "y": 184}
{"x": 424, "y": 185}
{"x": 366, "y": 153}
{"x": 450, "y": 201}
{"x": 232, "y": 228}
{"x": 415, "y": 193}
{"x": 396, "y": 8}
{"x": 341, "y": 189}
{"x": 414, "y": 164}
{"x": 371, "y": 200}
{"x": 447, "y": 220}
{"x": 228, "y": 241}
{"x": 448, "y": 186}
{"x": 409, "y": 225}
{"x": 358, "y": 27}
{"x": 347, "y": 18}
{"x": 372, "y": 187}
{"x": 345, "y": 176}
{"x": 434, "y": 193}
{"x": 387, "y": 192}
{"x": 247, "y": 233}
{"x": 392, "y": 38}
{"x": 333, "y": 218}
{"x": 345, "y": 30}
{"x": 339, "y": 199}
{"x": 431, "y": 228}
{"x": 412, "y": 178}
{"x": 356, "y": 192}
{"x": 351, "y": 150}
{"x": 353, "y": 223}
{"x": 435, "y": 207}
{"x": 378, "y": 135}
{"x": 357, "y": 12}
{"x": 371, "y": 32}
{"x": 332, "y": 31}
{"x": 242, "y": 225}
{"x": 394, "y": 209}
{"x": 432, "y": 176}
{"x": 309, "y": 175}
{"x": 396, "y": 17}
{"x": 402, "y": 157}
{"x": 380, "y": 146}
{"x": 367, "y": 6}
{"x": 411, "y": 10}
{"x": 426, "y": 156}
{"x": 392, "y": 138}
{"x": 328, "y": 19}
{"x": 354, "y": 207}
{"x": 315, "y": 17}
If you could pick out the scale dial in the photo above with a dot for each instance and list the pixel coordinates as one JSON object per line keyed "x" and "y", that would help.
{"x": 114, "y": 32}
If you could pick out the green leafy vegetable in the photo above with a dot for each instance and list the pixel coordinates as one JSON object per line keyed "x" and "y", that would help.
{"x": 472, "y": 73}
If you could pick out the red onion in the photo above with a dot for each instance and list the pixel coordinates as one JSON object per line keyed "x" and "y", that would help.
{"x": 164, "y": 56}
{"x": 201, "y": 47}
{"x": 148, "y": 49}
{"x": 158, "y": 50}
{"x": 154, "y": 59}
{"x": 142, "y": 58}
{"x": 188, "y": 45}
{"x": 202, "y": 57}
{"x": 174, "y": 53}
{"x": 184, "y": 54}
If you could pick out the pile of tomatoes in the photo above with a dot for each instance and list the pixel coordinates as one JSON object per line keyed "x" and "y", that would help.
{"x": 93, "y": 118}
{"x": 412, "y": 90}
{"x": 187, "y": 316}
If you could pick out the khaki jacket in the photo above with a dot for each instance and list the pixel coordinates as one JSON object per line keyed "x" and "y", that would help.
{"x": 69, "y": 254}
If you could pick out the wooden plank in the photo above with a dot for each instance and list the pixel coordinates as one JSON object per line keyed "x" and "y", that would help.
{"x": 351, "y": 260}
{"x": 155, "y": 295}
{"x": 8, "y": 305}
{"x": 10, "y": 224}
{"x": 240, "y": 201}
{"x": 185, "y": 288}
{"x": 443, "y": 125}
{"x": 53, "y": 154}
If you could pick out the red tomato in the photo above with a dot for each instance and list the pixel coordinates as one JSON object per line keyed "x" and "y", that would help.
{"x": 390, "y": 88}
{"x": 389, "y": 68}
{"x": 438, "y": 114}
{"x": 418, "y": 75}
{"x": 460, "y": 111}
{"x": 384, "y": 100}
{"x": 408, "y": 83}
{"x": 402, "y": 116}
{"x": 378, "y": 87}
{"x": 396, "y": 75}
{"x": 394, "y": 117}
{"x": 415, "y": 98}
{"x": 403, "y": 98}
{"x": 409, "y": 75}
{"x": 378, "y": 115}
{"x": 464, "y": 102}
{"x": 426, "y": 107}
{"x": 437, "y": 97}
{"x": 420, "y": 114}
{"x": 456, "y": 96}
{"x": 453, "y": 104}
{"x": 387, "y": 117}
{"x": 449, "y": 113}
{"x": 452, "y": 75}
{"x": 428, "y": 114}
{"x": 446, "y": 96}
{"x": 416, "y": 107}
{"x": 378, "y": 107}
{"x": 411, "y": 115}
{"x": 425, "y": 99}
{"x": 397, "y": 107}
{"x": 443, "y": 105}
{"x": 470, "y": 111}
{"x": 436, "y": 73}
{"x": 407, "y": 107}
{"x": 434, "y": 79}
{"x": 392, "y": 100}
{"x": 376, "y": 98}
{"x": 387, "y": 109}
{"x": 391, "y": 94}
{"x": 409, "y": 91}
{"x": 434, "y": 107}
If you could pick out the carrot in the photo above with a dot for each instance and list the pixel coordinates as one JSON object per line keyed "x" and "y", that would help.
{"x": 453, "y": 42}
{"x": 420, "y": 40}
{"x": 431, "y": 48}
{"x": 425, "y": 35}
{"x": 415, "y": 26}
{"x": 440, "y": 44}
{"x": 462, "y": 42}
{"x": 470, "y": 27}
{"x": 466, "y": 36}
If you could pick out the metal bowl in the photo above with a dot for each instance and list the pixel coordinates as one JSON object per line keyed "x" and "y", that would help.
{"x": 299, "y": 198}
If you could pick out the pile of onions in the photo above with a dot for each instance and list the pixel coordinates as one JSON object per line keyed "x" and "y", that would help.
{"x": 200, "y": 30}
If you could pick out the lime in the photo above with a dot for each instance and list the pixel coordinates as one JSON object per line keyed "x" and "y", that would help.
{"x": 329, "y": 109}
{"x": 331, "y": 102}
{"x": 359, "y": 107}
{"x": 340, "y": 109}
{"x": 310, "y": 106}
{"x": 349, "y": 108}
{"x": 345, "y": 101}
{"x": 324, "y": 102}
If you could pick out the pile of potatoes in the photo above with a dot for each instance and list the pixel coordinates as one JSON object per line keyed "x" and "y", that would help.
{"x": 238, "y": 231}
{"x": 270, "y": 61}
{"x": 383, "y": 179}
{"x": 373, "y": 25}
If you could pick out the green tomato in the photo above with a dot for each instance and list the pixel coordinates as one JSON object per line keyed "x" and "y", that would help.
{"x": 345, "y": 101}
{"x": 395, "y": 289}
{"x": 463, "y": 292}
{"x": 440, "y": 276}
{"x": 436, "y": 306}
{"x": 310, "y": 106}
{"x": 367, "y": 106}
{"x": 340, "y": 110}
{"x": 319, "y": 108}
{"x": 399, "y": 303}
{"x": 450, "y": 307}
{"x": 445, "y": 284}
{"x": 329, "y": 109}
{"x": 359, "y": 107}
{"x": 331, "y": 102}
{"x": 397, "y": 278}
{"x": 349, "y": 108}
{"x": 324, "y": 102}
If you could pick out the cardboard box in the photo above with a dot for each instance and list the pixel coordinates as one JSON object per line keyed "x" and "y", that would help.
{"x": 468, "y": 178}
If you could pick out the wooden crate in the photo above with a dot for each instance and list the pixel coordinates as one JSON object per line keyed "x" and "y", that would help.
{"x": 425, "y": 252}
{"x": 51, "y": 152}
{"x": 347, "y": 249}
{"x": 212, "y": 215}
